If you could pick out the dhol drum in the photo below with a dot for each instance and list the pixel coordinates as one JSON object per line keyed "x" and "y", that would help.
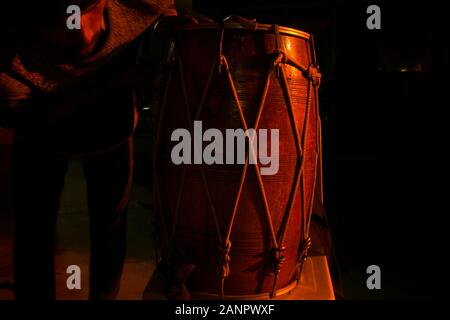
{"x": 227, "y": 230}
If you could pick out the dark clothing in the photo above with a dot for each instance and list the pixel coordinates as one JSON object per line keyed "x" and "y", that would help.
{"x": 38, "y": 179}
{"x": 35, "y": 77}
{"x": 60, "y": 107}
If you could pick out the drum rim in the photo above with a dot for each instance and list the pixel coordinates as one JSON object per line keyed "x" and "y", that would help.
{"x": 258, "y": 296}
{"x": 258, "y": 27}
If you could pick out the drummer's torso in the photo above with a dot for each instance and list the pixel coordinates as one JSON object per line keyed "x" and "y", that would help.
{"x": 32, "y": 75}
{"x": 30, "y": 98}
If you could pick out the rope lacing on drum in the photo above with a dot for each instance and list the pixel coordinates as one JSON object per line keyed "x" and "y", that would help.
{"x": 282, "y": 57}
{"x": 223, "y": 270}
{"x": 279, "y": 59}
{"x": 244, "y": 22}
{"x": 278, "y": 259}
{"x": 305, "y": 248}
{"x": 313, "y": 74}
{"x": 302, "y": 256}
{"x": 223, "y": 64}
{"x": 224, "y": 262}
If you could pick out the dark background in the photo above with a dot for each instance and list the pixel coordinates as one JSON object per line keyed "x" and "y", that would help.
{"x": 383, "y": 101}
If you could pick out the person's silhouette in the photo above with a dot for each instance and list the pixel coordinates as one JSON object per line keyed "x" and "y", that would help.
{"x": 69, "y": 92}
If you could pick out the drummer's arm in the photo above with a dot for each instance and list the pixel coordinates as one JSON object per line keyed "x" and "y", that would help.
{"x": 131, "y": 78}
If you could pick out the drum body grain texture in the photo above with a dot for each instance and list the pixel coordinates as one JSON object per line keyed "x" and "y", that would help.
{"x": 240, "y": 234}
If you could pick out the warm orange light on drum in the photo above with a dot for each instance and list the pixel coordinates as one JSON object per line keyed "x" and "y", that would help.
{"x": 247, "y": 235}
